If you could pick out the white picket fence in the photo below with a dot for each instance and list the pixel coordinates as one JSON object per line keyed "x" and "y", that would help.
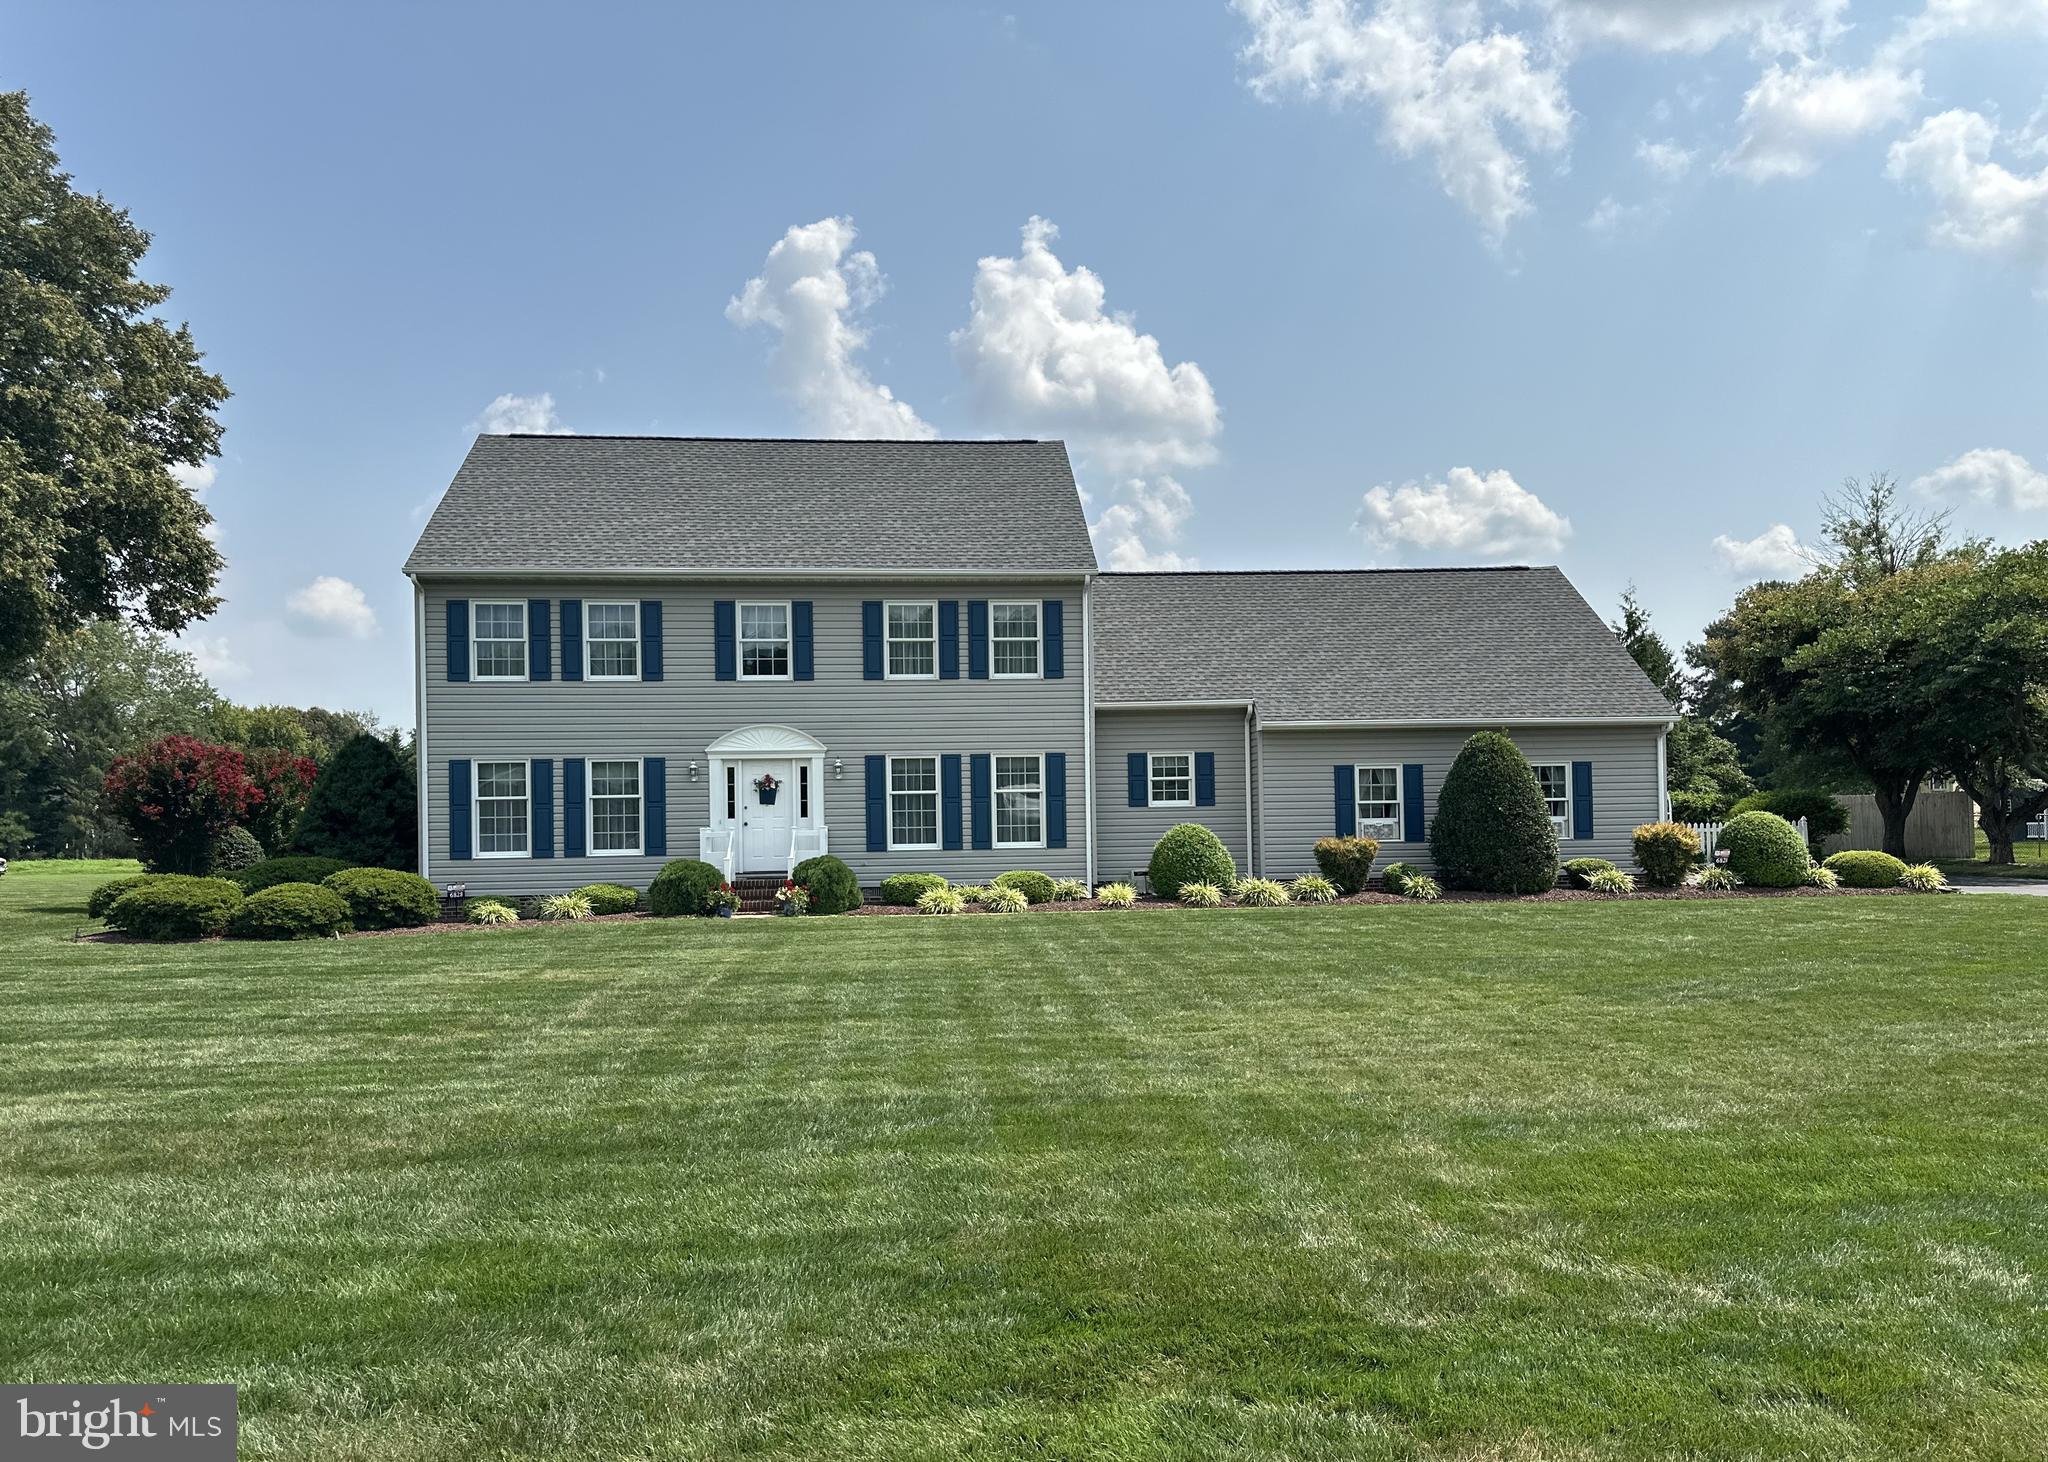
{"x": 1710, "y": 835}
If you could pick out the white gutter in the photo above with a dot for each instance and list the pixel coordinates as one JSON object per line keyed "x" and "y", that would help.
{"x": 1460, "y": 721}
{"x": 1177, "y": 706}
{"x": 419, "y": 715}
{"x": 709, "y": 575}
{"x": 1088, "y": 714}
{"x": 1251, "y": 854}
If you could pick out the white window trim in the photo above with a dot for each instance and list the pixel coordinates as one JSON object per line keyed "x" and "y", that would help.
{"x": 938, "y": 796}
{"x": 1151, "y": 757}
{"x": 1562, "y": 824}
{"x": 994, "y": 791}
{"x": 525, "y": 640}
{"x": 639, "y": 664}
{"x": 590, "y": 848}
{"x": 888, "y": 639}
{"x": 476, "y": 804}
{"x": 1037, "y": 609}
{"x": 739, "y": 637}
{"x": 1358, "y": 802}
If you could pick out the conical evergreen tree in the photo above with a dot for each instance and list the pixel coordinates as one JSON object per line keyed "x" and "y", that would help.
{"x": 363, "y": 809}
{"x": 1492, "y": 830}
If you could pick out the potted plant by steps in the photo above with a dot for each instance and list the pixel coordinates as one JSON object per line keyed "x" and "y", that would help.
{"x": 765, "y": 786}
{"x": 723, "y": 901}
{"x": 792, "y": 898}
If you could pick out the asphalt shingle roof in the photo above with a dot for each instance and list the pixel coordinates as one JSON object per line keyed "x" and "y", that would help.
{"x": 1460, "y": 645}
{"x": 567, "y": 504}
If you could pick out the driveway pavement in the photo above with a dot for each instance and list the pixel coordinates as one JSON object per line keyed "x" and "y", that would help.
{"x": 2035, "y": 887}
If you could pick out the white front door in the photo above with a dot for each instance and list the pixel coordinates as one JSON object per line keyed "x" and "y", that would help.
{"x": 765, "y": 826}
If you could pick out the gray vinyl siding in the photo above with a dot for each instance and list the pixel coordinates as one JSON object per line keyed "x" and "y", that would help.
{"x": 1300, "y": 786}
{"x": 680, "y": 715}
{"x": 1125, "y": 834}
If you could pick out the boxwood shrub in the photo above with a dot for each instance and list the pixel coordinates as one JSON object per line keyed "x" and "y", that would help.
{"x": 102, "y": 898}
{"x": 610, "y": 898}
{"x": 1863, "y": 868}
{"x": 1189, "y": 853}
{"x": 905, "y": 889}
{"x": 290, "y": 911}
{"x": 1037, "y": 888}
{"x": 1764, "y": 850}
{"x": 293, "y": 869}
{"x": 175, "y": 906}
{"x": 1666, "y": 852}
{"x": 1492, "y": 830}
{"x": 1347, "y": 862}
{"x": 682, "y": 888}
{"x": 1578, "y": 871}
{"x": 834, "y": 889}
{"x": 234, "y": 850}
{"x": 384, "y": 898}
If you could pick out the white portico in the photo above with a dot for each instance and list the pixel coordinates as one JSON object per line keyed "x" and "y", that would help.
{"x": 767, "y": 812}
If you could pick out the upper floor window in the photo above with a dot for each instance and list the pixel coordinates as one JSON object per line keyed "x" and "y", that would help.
{"x": 1173, "y": 780}
{"x": 498, "y": 640}
{"x": 1556, "y": 782}
{"x": 1013, "y": 639}
{"x": 611, "y": 635}
{"x": 913, "y": 802}
{"x": 1020, "y": 801}
{"x": 912, "y": 631}
{"x": 615, "y": 807}
{"x": 764, "y": 642}
{"x": 502, "y": 814}
{"x": 1379, "y": 803}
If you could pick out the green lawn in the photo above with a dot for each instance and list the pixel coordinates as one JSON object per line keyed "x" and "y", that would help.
{"x": 2030, "y": 861}
{"x": 1485, "y": 1182}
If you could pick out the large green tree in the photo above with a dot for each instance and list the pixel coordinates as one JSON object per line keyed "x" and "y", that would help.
{"x": 99, "y": 400}
{"x": 1646, "y": 646}
{"x": 1704, "y": 772}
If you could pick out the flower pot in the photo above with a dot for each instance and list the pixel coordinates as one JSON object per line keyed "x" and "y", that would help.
{"x": 724, "y": 911}
{"x": 788, "y": 911}
{"x": 767, "y": 795}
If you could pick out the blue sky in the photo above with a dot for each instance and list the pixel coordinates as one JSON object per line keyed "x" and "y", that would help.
{"x": 1624, "y": 285}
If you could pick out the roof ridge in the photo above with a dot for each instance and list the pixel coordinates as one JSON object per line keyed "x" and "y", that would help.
{"x": 601, "y": 436}
{"x": 1501, "y": 568}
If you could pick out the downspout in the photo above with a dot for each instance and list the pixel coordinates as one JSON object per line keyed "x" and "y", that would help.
{"x": 419, "y": 717}
{"x": 1259, "y": 859}
{"x": 1088, "y": 718}
{"x": 1251, "y": 853}
{"x": 1663, "y": 774}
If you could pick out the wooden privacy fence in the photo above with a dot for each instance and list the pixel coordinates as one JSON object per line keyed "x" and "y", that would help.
{"x": 1941, "y": 825}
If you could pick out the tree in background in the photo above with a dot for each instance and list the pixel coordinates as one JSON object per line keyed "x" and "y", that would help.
{"x": 286, "y": 781}
{"x": 103, "y": 400}
{"x": 1704, "y": 772}
{"x": 303, "y": 731}
{"x": 1646, "y": 646}
{"x": 179, "y": 796}
{"x": 363, "y": 809}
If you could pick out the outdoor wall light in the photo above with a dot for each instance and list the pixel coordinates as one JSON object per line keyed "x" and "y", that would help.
{"x": 838, "y": 768}
{"x": 693, "y": 771}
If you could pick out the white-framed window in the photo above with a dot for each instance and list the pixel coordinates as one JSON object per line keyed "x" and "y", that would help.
{"x": 614, "y": 807}
{"x": 497, "y": 639}
{"x": 1020, "y": 801}
{"x": 1172, "y": 776}
{"x": 1379, "y": 803}
{"x": 1556, "y": 781}
{"x": 913, "y": 802}
{"x": 503, "y": 814}
{"x": 611, "y": 640}
{"x": 1013, "y": 639}
{"x": 910, "y": 635}
{"x": 764, "y": 641}
{"x": 803, "y": 790}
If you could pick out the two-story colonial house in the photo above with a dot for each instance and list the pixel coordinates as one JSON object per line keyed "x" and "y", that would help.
{"x": 632, "y": 649}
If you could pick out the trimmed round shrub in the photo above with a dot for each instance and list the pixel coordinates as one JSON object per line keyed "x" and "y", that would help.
{"x": 1765, "y": 850}
{"x": 1002, "y": 898}
{"x": 1035, "y": 886}
{"x": 293, "y": 869}
{"x": 384, "y": 898}
{"x": 1665, "y": 851}
{"x": 1313, "y": 888}
{"x": 1578, "y": 870}
{"x": 1611, "y": 881}
{"x": 1069, "y": 890}
{"x": 610, "y": 898}
{"x": 175, "y": 906}
{"x": 290, "y": 911}
{"x": 236, "y": 849}
{"x": 1189, "y": 853}
{"x": 102, "y": 898}
{"x": 557, "y": 907}
{"x": 492, "y": 911}
{"x": 905, "y": 889}
{"x": 1347, "y": 862}
{"x": 1261, "y": 893}
{"x": 1923, "y": 878}
{"x": 1824, "y": 813}
{"x": 1492, "y": 829}
{"x": 1116, "y": 895}
{"x": 834, "y": 889}
{"x": 1201, "y": 895}
{"x": 1863, "y": 868}
{"x": 683, "y": 887}
{"x": 939, "y": 901}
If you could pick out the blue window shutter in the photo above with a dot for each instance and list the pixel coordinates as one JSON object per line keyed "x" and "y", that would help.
{"x": 878, "y": 804}
{"x": 575, "y": 807}
{"x": 1053, "y": 626}
{"x": 1411, "y": 802}
{"x": 871, "y": 639}
{"x": 977, "y": 639}
{"x": 949, "y": 639}
{"x": 1140, "y": 777}
{"x": 1347, "y": 802}
{"x": 458, "y": 641}
{"x": 725, "y": 645}
{"x": 541, "y": 788}
{"x": 650, "y": 639}
{"x": 1205, "y": 779}
{"x": 458, "y": 809}
{"x": 540, "y": 650}
{"x": 1582, "y": 799}
{"x": 802, "y": 663}
{"x": 982, "y": 815}
{"x": 949, "y": 803}
{"x": 654, "y": 791}
{"x": 1055, "y": 799}
{"x": 572, "y": 639}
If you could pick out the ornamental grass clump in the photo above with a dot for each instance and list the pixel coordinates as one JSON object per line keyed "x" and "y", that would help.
{"x": 1819, "y": 877}
{"x": 1201, "y": 895}
{"x": 1578, "y": 871}
{"x": 1923, "y": 878}
{"x": 1610, "y": 881}
{"x": 1394, "y": 878}
{"x": 1116, "y": 895}
{"x": 1313, "y": 888}
{"x": 1261, "y": 893}
{"x": 1069, "y": 890}
{"x": 1714, "y": 880}
{"x": 1003, "y": 898}
{"x": 492, "y": 911}
{"x": 1422, "y": 888}
{"x": 940, "y": 901}
{"x": 561, "y": 907}
{"x": 972, "y": 893}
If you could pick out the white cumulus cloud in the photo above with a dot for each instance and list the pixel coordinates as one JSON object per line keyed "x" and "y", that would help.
{"x": 216, "y": 660}
{"x": 1473, "y": 100}
{"x": 526, "y": 415}
{"x": 1989, "y": 475}
{"x": 813, "y": 292}
{"x": 1775, "y": 553}
{"x": 1667, "y": 160}
{"x": 1980, "y": 205}
{"x": 332, "y": 606}
{"x": 1465, "y": 516}
{"x": 1700, "y": 25}
{"x": 1148, "y": 514}
{"x": 1795, "y": 116}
